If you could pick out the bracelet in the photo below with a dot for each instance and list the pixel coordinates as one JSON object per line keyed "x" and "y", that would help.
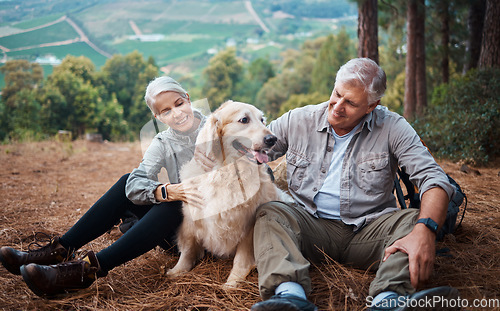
{"x": 164, "y": 192}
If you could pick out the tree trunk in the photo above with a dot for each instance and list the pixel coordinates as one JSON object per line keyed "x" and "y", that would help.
{"x": 475, "y": 24}
{"x": 368, "y": 30}
{"x": 490, "y": 47}
{"x": 445, "y": 39}
{"x": 410, "y": 92}
{"x": 420, "y": 77}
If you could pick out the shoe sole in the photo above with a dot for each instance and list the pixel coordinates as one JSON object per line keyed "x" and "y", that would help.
{"x": 445, "y": 292}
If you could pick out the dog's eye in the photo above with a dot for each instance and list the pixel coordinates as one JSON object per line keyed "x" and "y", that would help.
{"x": 244, "y": 120}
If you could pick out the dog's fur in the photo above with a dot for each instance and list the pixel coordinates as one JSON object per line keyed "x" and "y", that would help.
{"x": 222, "y": 221}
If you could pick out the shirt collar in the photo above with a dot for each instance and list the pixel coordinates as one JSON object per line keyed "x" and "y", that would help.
{"x": 368, "y": 120}
{"x": 322, "y": 118}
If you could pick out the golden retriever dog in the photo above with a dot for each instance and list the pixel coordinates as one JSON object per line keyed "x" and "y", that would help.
{"x": 221, "y": 220}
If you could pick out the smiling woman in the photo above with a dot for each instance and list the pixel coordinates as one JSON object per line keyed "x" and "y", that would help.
{"x": 174, "y": 109}
{"x": 156, "y": 208}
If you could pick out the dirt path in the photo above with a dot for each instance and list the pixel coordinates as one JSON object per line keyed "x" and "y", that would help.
{"x": 84, "y": 38}
{"x": 249, "y": 7}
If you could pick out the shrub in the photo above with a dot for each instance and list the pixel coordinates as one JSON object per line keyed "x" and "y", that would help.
{"x": 462, "y": 121}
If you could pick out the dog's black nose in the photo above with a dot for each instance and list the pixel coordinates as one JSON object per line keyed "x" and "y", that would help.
{"x": 270, "y": 140}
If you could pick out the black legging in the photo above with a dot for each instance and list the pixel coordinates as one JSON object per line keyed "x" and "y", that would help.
{"x": 157, "y": 224}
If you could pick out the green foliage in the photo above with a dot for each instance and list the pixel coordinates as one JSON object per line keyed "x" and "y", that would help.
{"x": 258, "y": 72}
{"x": 395, "y": 95}
{"x": 294, "y": 78}
{"x": 298, "y": 73}
{"x": 111, "y": 123}
{"x": 75, "y": 97}
{"x": 139, "y": 112}
{"x": 119, "y": 76}
{"x": 462, "y": 121}
{"x": 19, "y": 110}
{"x": 301, "y": 100}
{"x": 334, "y": 52}
{"x": 80, "y": 66}
{"x": 25, "y": 120}
{"x": 19, "y": 75}
{"x": 54, "y": 107}
{"x": 222, "y": 75}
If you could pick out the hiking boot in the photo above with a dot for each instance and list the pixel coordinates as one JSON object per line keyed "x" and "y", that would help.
{"x": 437, "y": 298}
{"x": 51, "y": 253}
{"x": 284, "y": 302}
{"x": 61, "y": 278}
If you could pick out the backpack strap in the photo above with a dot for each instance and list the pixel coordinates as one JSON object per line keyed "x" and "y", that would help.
{"x": 412, "y": 192}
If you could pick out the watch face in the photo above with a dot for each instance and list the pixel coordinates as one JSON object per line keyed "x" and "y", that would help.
{"x": 163, "y": 193}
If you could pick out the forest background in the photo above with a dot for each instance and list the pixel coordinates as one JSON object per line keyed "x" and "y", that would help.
{"x": 441, "y": 58}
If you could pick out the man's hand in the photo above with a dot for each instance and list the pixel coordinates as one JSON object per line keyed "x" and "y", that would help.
{"x": 421, "y": 249}
{"x": 200, "y": 156}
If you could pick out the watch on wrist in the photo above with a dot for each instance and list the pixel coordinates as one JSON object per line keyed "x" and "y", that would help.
{"x": 429, "y": 223}
{"x": 164, "y": 192}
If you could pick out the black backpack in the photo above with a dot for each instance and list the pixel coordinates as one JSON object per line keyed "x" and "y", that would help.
{"x": 450, "y": 224}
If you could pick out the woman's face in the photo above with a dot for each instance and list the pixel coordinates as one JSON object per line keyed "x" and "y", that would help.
{"x": 174, "y": 110}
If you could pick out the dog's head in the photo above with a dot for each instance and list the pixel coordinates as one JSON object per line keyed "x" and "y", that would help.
{"x": 237, "y": 129}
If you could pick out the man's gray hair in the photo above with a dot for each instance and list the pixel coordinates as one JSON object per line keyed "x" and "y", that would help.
{"x": 366, "y": 72}
{"x": 161, "y": 85}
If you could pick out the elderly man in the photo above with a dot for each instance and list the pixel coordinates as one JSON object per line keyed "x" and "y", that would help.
{"x": 342, "y": 157}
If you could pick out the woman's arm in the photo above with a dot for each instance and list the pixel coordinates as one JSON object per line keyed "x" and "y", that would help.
{"x": 174, "y": 192}
{"x": 143, "y": 181}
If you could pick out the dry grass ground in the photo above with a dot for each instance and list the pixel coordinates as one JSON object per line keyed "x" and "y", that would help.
{"x": 48, "y": 186}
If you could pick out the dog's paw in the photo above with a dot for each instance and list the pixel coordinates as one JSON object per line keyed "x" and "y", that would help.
{"x": 173, "y": 273}
{"x": 230, "y": 285}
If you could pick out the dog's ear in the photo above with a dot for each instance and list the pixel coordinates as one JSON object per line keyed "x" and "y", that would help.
{"x": 208, "y": 141}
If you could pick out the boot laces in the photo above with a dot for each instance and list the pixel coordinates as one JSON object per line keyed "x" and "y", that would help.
{"x": 78, "y": 268}
{"x": 42, "y": 242}
{"x": 42, "y": 245}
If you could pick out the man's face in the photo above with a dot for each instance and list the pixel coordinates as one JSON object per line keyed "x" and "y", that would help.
{"x": 348, "y": 105}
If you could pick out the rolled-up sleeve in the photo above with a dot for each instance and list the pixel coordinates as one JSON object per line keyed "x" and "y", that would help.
{"x": 416, "y": 159}
{"x": 143, "y": 180}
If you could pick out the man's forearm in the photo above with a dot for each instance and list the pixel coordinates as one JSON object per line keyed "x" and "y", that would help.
{"x": 434, "y": 205}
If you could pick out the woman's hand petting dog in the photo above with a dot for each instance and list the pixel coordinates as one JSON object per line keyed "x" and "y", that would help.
{"x": 181, "y": 192}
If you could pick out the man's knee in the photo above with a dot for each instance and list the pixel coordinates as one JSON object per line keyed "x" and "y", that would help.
{"x": 270, "y": 208}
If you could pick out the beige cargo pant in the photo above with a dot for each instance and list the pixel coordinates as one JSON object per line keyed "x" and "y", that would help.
{"x": 287, "y": 237}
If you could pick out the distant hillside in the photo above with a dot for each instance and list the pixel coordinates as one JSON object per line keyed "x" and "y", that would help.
{"x": 181, "y": 35}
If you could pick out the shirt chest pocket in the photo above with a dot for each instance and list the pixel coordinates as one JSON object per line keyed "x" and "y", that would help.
{"x": 375, "y": 174}
{"x": 296, "y": 169}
